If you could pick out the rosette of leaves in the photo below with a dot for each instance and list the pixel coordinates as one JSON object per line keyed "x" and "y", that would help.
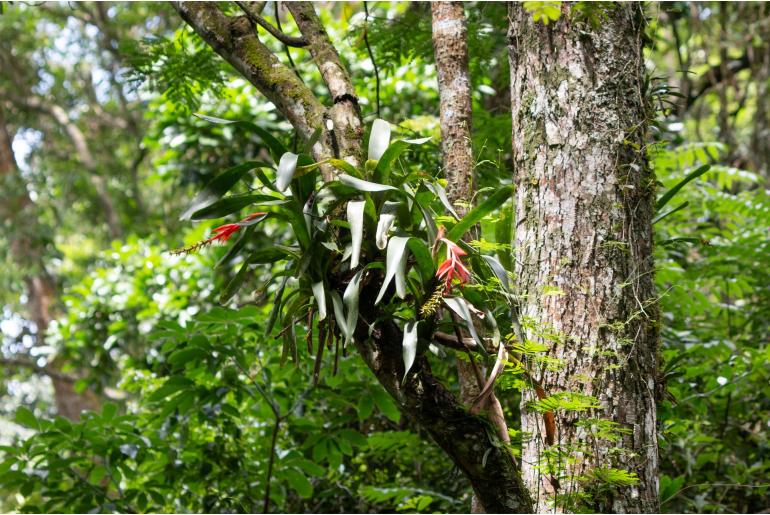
{"x": 360, "y": 250}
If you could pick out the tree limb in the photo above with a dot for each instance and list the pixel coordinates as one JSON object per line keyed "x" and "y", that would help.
{"x": 234, "y": 39}
{"x": 345, "y": 113}
{"x": 277, "y": 34}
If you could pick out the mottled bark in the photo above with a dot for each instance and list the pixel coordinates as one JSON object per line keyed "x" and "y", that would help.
{"x": 450, "y": 48}
{"x": 27, "y": 250}
{"x": 235, "y": 40}
{"x": 583, "y": 247}
{"x": 451, "y": 52}
{"x": 345, "y": 112}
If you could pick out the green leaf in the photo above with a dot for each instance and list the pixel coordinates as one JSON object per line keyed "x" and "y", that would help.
{"x": 476, "y": 214}
{"x": 386, "y": 404}
{"x": 379, "y": 139}
{"x": 183, "y": 356}
{"x": 391, "y": 154}
{"x": 97, "y": 474}
{"x": 345, "y": 167}
{"x": 385, "y": 222}
{"x": 218, "y": 186}
{"x": 365, "y": 407}
{"x": 109, "y": 410}
{"x": 319, "y": 292}
{"x": 286, "y": 168}
{"x": 673, "y": 191}
{"x": 25, "y": 417}
{"x": 422, "y": 256}
{"x": 670, "y": 212}
{"x": 350, "y": 298}
{"x": 299, "y": 483}
{"x": 233, "y": 204}
{"x": 362, "y": 185}
{"x": 461, "y": 306}
{"x": 275, "y": 146}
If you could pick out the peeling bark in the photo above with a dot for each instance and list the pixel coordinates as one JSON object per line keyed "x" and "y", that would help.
{"x": 585, "y": 198}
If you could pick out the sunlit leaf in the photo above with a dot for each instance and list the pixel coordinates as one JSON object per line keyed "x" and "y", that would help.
{"x": 286, "y": 168}
{"x": 379, "y": 139}
{"x": 356, "y": 221}
{"x": 409, "y": 345}
{"x": 395, "y": 264}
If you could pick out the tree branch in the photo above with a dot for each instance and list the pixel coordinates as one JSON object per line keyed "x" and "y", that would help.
{"x": 277, "y": 34}
{"x": 48, "y": 371}
{"x": 235, "y": 40}
{"x": 470, "y": 441}
{"x": 345, "y": 113}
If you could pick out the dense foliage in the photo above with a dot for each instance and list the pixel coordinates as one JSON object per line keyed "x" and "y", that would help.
{"x": 218, "y": 390}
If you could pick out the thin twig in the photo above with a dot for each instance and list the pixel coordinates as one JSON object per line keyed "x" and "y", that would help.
{"x": 276, "y": 32}
{"x": 371, "y": 58}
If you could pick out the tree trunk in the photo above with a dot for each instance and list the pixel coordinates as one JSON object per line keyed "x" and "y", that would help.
{"x": 584, "y": 262}
{"x": 451, "y": 51}
{"x": 41, "y": 288}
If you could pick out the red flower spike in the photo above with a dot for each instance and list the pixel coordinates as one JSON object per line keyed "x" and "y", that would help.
{"x": 221, "y": 233}
{"x": 453, "y": 267}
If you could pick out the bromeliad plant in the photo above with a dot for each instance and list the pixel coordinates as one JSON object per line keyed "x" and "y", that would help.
{"x": 364, "y": 250}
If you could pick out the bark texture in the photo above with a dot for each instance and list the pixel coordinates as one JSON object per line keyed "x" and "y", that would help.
{"x": 451, "y": 51}
{"x": 235, "y": 39}
{"x": 450, "y": 48}
{"x": 583, "y": 247}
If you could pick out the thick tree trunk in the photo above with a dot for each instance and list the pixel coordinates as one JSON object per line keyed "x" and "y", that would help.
{"x": 584, "y": 264}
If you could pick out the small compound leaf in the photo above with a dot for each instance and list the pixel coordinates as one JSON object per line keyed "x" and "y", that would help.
{"x": 409, "y": 345}
{"x": 320, "y": 296}
{"x": 379, "y": 139}
{"x": 286, "y": 168}
{"x": 356, "y": 221}
{"x": 395, "y": 262}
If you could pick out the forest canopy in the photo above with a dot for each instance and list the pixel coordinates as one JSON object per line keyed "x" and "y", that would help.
{"x": 319, "y": 257}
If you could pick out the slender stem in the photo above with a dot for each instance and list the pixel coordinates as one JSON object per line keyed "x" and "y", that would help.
{"x": 276, "y": 32}
{"x": 371, "y": 58}
{"x": 268, "y": 479}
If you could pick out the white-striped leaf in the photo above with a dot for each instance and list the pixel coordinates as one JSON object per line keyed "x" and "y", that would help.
{"x": 356, "y": 221}
{"x": 379, "y": 139}
{"x": 286, "y": 168}
{"x": 395, "y": 264}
